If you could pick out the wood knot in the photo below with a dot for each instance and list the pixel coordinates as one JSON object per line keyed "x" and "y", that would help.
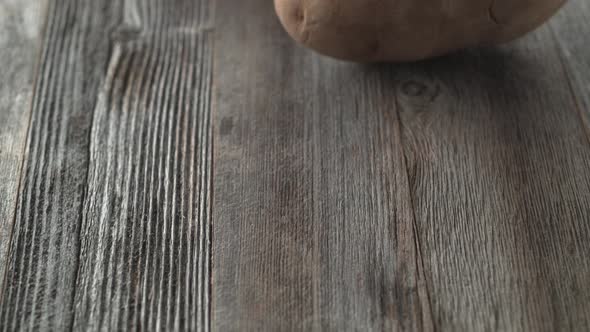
{"x": 419, "y": 95}
{"x": 416, "y": 89}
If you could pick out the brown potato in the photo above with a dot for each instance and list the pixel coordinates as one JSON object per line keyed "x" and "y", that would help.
{"x": 407, "y": 30}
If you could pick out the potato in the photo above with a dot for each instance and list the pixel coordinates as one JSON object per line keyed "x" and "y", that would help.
{"x": 408, "y": 30}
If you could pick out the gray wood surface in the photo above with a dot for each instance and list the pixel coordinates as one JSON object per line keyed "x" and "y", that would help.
{"x": 572, "y": 33}
{"x": 20, "y": 35}
{"x": 144, "y": 260}
{"x": 116, "y": 238}
{"x": 499, "y": 164}
{"x": 44, "y": 250}
{"x": 313, "y": 224}
{"x": 183, "y": 165}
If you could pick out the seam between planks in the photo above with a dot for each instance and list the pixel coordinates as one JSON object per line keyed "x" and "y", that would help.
{"x": 211, "y": 133}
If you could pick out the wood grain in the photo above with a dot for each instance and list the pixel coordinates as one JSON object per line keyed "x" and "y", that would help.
{"x": 500, "y": 177}
{"x": 188, "y": 167}
{"x": 42, "y": 265}
{"x": 313, "y": 227}
{"x": 145, "y": 254}
{"x": 571, "y": 33}
{"x": 112, "y": 227}
{"x": 20, "y": 36}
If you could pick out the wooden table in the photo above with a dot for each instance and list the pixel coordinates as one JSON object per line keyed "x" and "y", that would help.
{"x": 182, "y": 164}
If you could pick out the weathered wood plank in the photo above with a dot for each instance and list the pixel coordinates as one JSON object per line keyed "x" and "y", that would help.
{"x": 20, "y": 40}
{"x": 145, "y": 253}
{"x": 500, "y": 178}
{"x": 313, "y": 227}
{"x": 346, "y": 197}
{"x": 43, "y": 258}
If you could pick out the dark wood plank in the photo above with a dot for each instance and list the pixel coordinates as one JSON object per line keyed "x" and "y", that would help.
{"x": 20, "y": 40}
{"x": 313, "y": 227}
{"x": 145, "y": 255}
{"x": 43, "y": 259}
{"x": 500, "y": 177}
{"x": 572, "y": 33}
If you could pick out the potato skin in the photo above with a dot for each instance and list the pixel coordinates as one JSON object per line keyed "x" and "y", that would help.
{"x": 408, "y": 30}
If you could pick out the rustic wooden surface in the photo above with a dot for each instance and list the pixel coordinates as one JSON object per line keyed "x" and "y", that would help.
{"x": 20, "y": 40}
{"x": 182, "y": 165}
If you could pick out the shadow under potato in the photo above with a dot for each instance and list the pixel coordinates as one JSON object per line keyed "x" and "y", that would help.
{"x": 492, "y": 68}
